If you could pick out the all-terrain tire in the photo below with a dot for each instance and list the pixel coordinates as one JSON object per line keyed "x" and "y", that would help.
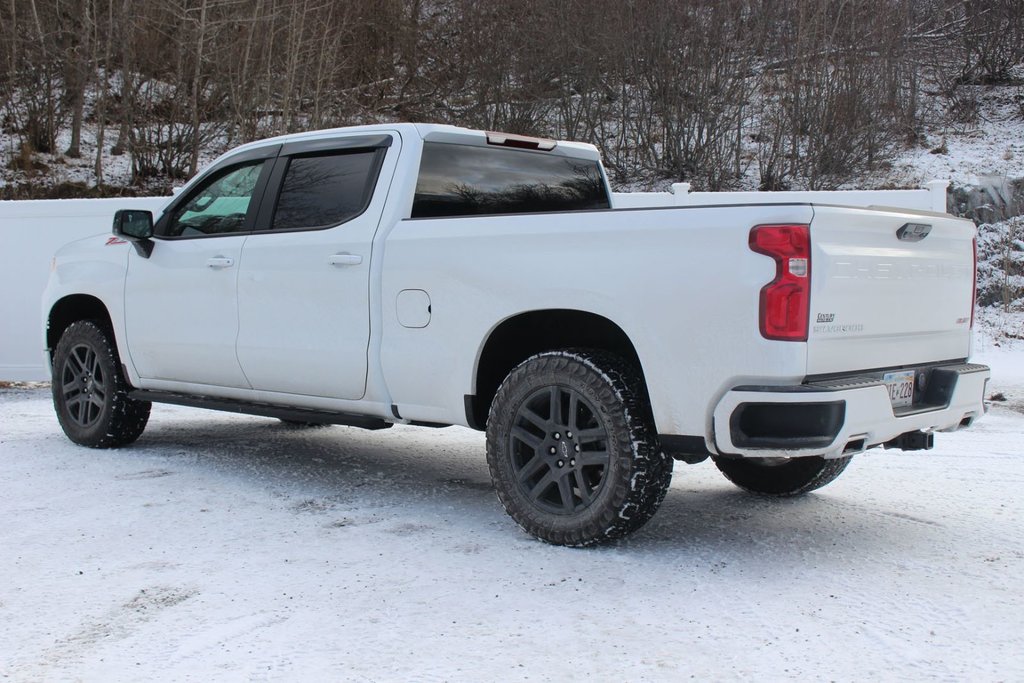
{"x": 90, "y": 394}
{"x": 572, "y": 450}
{"x": 785, "y": 477}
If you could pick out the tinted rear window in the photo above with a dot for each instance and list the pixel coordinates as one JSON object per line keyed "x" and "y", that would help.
{"x": 460, "y": 180}
{"x": 324, "y": 190}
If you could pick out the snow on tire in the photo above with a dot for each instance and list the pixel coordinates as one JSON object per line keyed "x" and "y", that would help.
{"x": 572, "y": 449}
{"x": 90, "y": 394}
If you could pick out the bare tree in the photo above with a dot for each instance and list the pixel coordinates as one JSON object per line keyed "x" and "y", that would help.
{"x": 811, "y": 92}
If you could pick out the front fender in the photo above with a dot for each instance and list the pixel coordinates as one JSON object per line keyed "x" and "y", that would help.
{"x": 96, "y": 267}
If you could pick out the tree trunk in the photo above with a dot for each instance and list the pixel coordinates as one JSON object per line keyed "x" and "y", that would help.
{"x": 76, "y": 70}
{"x": 126, "y": 37}
{"x": 101, "y": 104}
{"x": 196, "y": 80}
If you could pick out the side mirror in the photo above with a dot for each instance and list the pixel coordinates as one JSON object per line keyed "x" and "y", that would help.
{"x": 133, "y": 224}
{"x": 136, "y": 226}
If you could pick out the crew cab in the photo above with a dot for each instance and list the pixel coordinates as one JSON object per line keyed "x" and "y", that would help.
{"x": 433, "y": 275}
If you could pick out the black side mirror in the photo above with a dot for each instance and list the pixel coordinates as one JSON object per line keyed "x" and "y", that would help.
{"x": 133, "y": 224}
{"x": 136, "y": 226}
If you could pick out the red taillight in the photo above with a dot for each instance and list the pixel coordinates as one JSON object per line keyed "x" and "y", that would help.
{"x": 974, "y": 282}
{"x": 785, "y": 301}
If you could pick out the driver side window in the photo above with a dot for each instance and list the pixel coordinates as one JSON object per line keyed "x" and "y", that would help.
{"x": 218, "y": 206}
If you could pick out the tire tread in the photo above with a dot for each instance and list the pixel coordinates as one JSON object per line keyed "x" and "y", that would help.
{"x": 127, "y": 418}
{"x": 647, "y": 471}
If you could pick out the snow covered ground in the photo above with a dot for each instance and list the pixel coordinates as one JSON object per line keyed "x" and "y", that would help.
{"x": 236, "y": 548}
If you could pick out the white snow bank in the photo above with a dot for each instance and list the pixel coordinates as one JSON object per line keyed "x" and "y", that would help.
{"x": 1006, "y": 358}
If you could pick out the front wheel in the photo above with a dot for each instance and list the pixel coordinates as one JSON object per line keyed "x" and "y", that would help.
{"x": 781, "y": 476}
{"x": 90, "y": 395}
{"x": 572, "y": 450}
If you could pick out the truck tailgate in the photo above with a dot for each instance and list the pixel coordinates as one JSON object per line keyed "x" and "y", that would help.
{"x": 879, "y": 301}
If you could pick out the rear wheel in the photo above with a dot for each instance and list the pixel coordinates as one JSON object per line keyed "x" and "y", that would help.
{"x": 90, "y": 395}
{"x": 781, "y": 476}
{"x": 572, "y": 450}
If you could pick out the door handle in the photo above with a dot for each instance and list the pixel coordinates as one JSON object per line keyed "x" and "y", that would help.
{"x": 345, "y": 259}
{"x": 220, "y": 262}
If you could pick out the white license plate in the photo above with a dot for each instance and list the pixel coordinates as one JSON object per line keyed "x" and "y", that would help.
{"x": 901, "y": 387}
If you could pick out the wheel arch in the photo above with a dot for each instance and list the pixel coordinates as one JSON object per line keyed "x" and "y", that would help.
{"x": 520, "y": 336}
{"x": 71, "y": 309}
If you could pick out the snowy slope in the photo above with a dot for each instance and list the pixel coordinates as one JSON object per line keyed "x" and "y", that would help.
{"x": 983, "y": 151}
{"x": 236, "y": 548}
{"x": 975, "y": 153}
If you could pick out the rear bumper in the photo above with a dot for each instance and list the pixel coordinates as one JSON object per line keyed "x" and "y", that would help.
{"x": 842, "y": 416}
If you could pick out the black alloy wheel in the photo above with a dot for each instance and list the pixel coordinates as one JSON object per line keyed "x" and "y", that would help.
{"x": 84, "y": 385}
{"x": 559, "y": 447}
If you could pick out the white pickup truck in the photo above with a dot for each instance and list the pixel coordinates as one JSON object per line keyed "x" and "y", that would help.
{"x": 432, "y": 275}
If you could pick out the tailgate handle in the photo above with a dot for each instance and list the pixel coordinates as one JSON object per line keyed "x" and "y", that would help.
{"x": 913, "y": 232}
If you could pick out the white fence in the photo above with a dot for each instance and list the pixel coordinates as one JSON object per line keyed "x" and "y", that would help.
{"x": 932, "y": 198}
{"x": 30, "y": 233}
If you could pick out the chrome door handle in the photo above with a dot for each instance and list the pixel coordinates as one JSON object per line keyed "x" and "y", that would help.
{"x": 345, "y": 259}
{"x": 220, "y": 262}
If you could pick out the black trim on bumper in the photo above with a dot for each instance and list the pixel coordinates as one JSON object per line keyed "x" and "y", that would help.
{"x": 934, "y": 385}
{"x": 786, "y": 425}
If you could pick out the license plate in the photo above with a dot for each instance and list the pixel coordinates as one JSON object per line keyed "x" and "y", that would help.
{"x": 901, "y": 387}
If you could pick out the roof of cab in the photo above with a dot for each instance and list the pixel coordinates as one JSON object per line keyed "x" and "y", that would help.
{"x": 427, "y": 131}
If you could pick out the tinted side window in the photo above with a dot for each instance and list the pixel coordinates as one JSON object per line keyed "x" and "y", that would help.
{"x": 219, "y": 205}
{"x": 460, "y": 180}
{"x": 326, "y": 189}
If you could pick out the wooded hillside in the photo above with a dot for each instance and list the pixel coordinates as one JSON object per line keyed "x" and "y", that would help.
{"x": 809, "y": 93}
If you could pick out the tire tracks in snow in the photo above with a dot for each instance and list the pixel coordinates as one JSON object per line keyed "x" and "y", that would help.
{"x": 117, "y": 624}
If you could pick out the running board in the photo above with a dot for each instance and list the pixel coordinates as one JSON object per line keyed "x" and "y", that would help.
{"x": 261, "y": 409}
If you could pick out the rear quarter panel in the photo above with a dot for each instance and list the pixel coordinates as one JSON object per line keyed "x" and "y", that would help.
{"x": 681, "y": 282}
